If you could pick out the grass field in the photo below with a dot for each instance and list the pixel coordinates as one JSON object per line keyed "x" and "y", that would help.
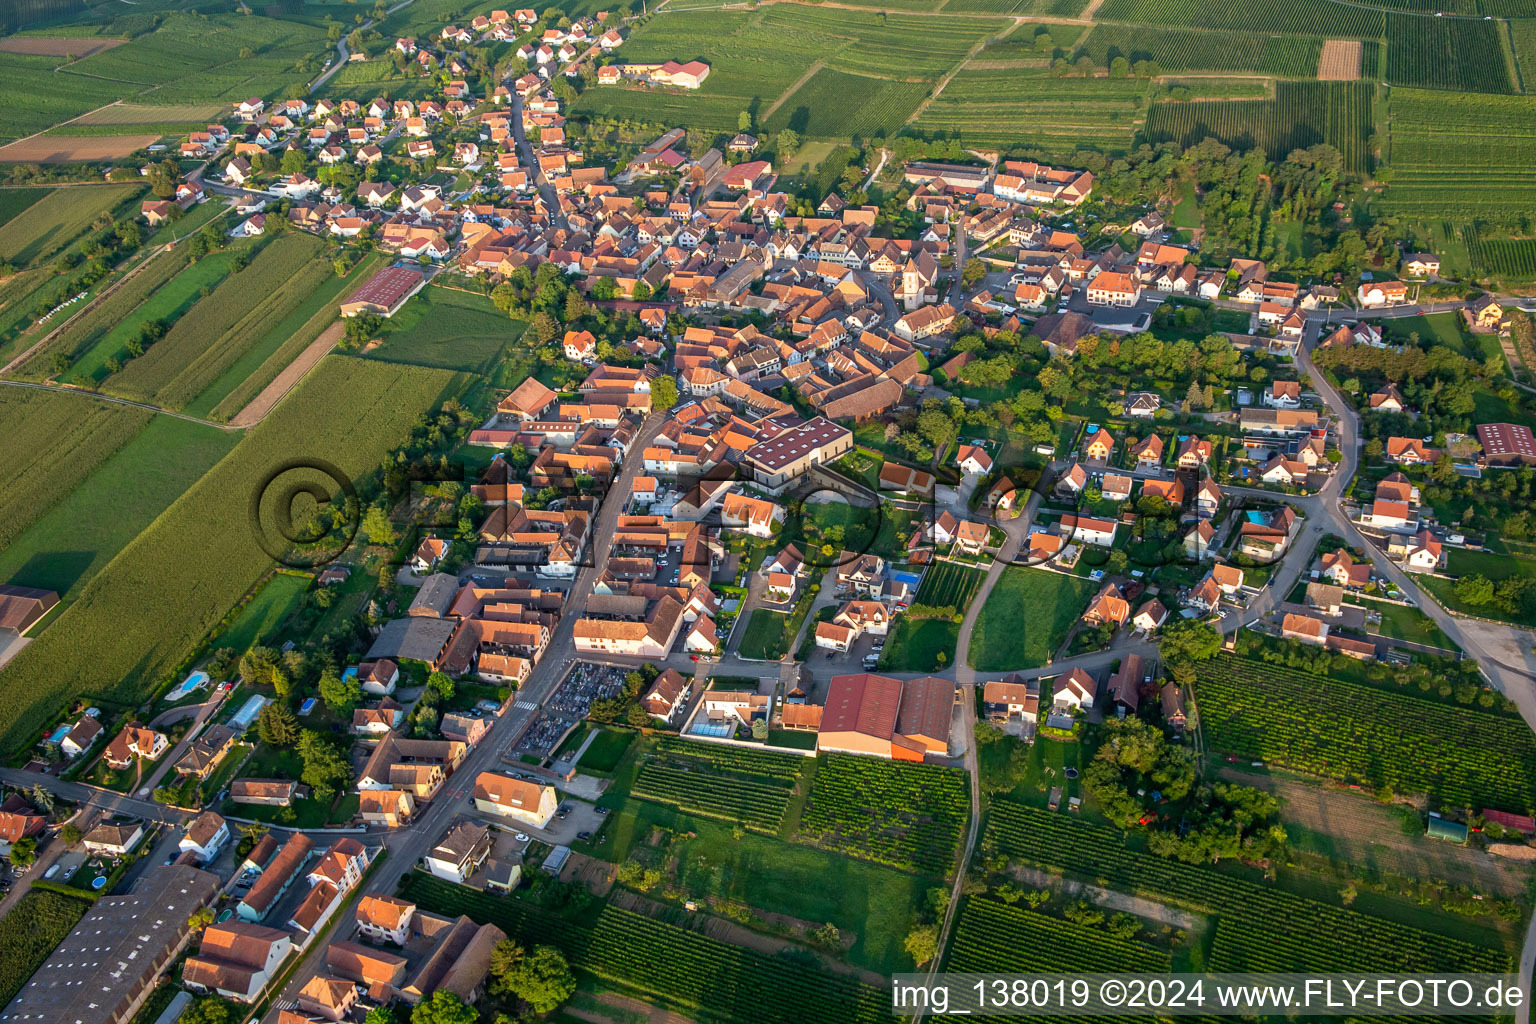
{"x": 259, "y": 620}
{"x": 1410, "y": 624}
{"x": 138, "y": 620}
{"x": 45, "y": 228}
{"x": 450, "y": 330}
{"x": 72, "y": 541}
{"x": 1026, "y": 618}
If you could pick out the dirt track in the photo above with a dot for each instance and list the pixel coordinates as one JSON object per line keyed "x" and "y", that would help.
{"x": 52, "y": 46}
{"x": 60, "y": 149}
{"x": 285, "y": 382}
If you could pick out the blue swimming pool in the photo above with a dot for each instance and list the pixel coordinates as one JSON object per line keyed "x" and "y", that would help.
{"x": 719, "y": 730}
{"x": 306, "y": 707}
{"x": 350, "y": 673}
{"x": 194, "y": 681}
{"x": 59, "y": 733}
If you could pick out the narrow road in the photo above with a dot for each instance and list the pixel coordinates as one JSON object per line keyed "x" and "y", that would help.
{"x": 343, "y": 54}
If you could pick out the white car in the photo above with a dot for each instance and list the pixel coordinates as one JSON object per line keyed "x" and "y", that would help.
{"x": 521, "y": 837}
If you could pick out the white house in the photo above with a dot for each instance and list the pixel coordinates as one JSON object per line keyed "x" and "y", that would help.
{"x": 1073, "y": 690}
{"x": 973, "y": 460}
{"x": 206, "y": 836}
{"x": 460, "y": 853}
{"x": 1087, "y": 530}
{"x": 385, "y": 918}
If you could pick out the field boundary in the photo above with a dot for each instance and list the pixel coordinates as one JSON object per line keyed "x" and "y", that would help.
{"x": 257, "y": 409}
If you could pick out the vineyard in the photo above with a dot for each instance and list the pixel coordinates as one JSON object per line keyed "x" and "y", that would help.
{"x": 713, "y": 981}
{"x": 946, "y": 584}
{"x": 992, "y": 937}
{"x": 1002, "y": 107}
{"x": 1259, "y": 928}
{"x": 143, "y": 614}
{"x": 907, "y": 816}
{"x": 835, "y": 104}
{"x": 219, "y": 329}
{"x": 745, "y": 786}
{"x": 1186, "y": 49}
{"x": 37, "y": 923}
{"x": 1022, "y": 8}
{"x": 1508, "y": 259}
{"x": 56, "y": 441}
{"x": 1461, "y": 156}
{"x": 1301, "y": 114}
{"x": 1293, "y": 17}
{"x": 1321, "y": 726}
{"x": 885, "y": 44}
{"x": 1446, "y": 53}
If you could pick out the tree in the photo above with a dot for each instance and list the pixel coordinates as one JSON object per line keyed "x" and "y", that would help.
{"x": 250, "y": 834}
{"x": 277, "y": 725}
{"x": 542, "y": 979}
{"x": 443, "y": 1007}
{"x": 377, "y": 527}
{"x": 544, "y": 327}
{"x": 1189, "y": 640}
{"x": 759, "y": 729}
{"x": 1474, "y": 590}
{"x": 209, "y": 1010}
{"x": 294, "y": 162}
{"x": 922, "y": 943}
{"x": 23, "y": 851}
{"x": 663, "y": 393}
{"x": 326, "y": 769}
{"x": 380, "y": 1014}
{"x": 71, "y": 834}
{"x": 744, "y": 121}
{"x": 787, "y": 142}
{"x": 200, "y": 919}
{"x": 506, "y": 957}
{"x": 340, "y": 694}
{"x": 439, "y": 687}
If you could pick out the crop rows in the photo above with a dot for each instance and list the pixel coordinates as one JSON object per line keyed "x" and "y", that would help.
{"x": 1461, "y": 156}
{"x": 1446, "y": 53}
{"x": 991, "y": 937}
{"x": 30, "y": 99}
{"x": 834, "y": 104}
{"x": 749, "y": 787}
{"x": 1001, "y": 107}
{"x": 1186, "y": 49}
{"x": 48, "y": 226}
{"x": 1301, "y": 114}
{"x": 716, "y": 982}
{"x": 54, "y": 441}
{"x": 1460, "y": 756}
{"x": 1260, "y": 927}
{"x": 143, "y": 614}
{"x": 217, "y": 330}
{"x": 37, "y": 923}
{"x": 1507, "y": 258}
{"x": 908, "y": 45}
{"x": 86, "y": 330}
{"x": 947, "y": 584}
{"x": 1292, "y": 17}
{"x": 904, "y": 815}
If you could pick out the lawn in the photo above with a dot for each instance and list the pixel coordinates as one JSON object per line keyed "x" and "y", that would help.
{"x": 76, "y": 538}
{"x": 273, "y": 603}
{"x": 606, "y": 750}
{"x": 1410, "y": 624}
{"x": 764, "y": 637}
{"x": 448, "y": 329}
{"x": 920, "y": 645}
{"x": 1461, "y": 562}
{"x": 1026, "y": 618}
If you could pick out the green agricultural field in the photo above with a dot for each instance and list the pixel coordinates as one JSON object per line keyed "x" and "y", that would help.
{"x": 1446, "y": 53}
{"x": 1460, "y": 156}
{"x": 75, "y": 539}
{"x": 1291, "y": 17}
{"x": 259, "y": 620}
{"x": 1033, "y": 42}
{"x": 53, "y": 442}
{"x": 47, "y": 227}
{"x": 745, "y": 787}
{"x": 1522, "y": 32}
{"x": 916, "y": 644}
{"x": 1258, "y": 925}
{"x": 999, "y": 106}
{"x": 992, "y": 936}
{"x": 1505, "y": 259}
{"x": 1301, "y": 114}
{"x": 1182, "y": 49}
{"x": 1022, "y": 8}
{"x": 216, "y": 332}
{"x": 450, "y": 330}
{"x": 660, "y": 962}
{"x": 141, "y": 617}
{"x": 29, "y": 932}
{"x": 907, "y": 816}
{"x": 839, "y": 105}
{"x": 1458, "y": 756}
{"x": 14, "y": 200}
{"x": 32, "y": 100}
{"x": 267, "y": 358}
{"x": 1026, "y": 618}
{"x": 887, "y": 44}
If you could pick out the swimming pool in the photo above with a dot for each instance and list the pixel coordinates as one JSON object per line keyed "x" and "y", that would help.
{"x": 306, "y": 707}
{"x": 248, "y": 712}
{"x": 60, "y": 733}
{"x": 194, "y": 681}
{"x": 718, "y": 729}
{"x": 349, "y": 674}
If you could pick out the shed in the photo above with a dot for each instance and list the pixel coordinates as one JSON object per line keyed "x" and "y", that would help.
{"x": 556, "y": 860}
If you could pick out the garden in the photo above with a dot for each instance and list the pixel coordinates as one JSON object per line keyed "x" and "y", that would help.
{"x": 1026, "y": 618}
